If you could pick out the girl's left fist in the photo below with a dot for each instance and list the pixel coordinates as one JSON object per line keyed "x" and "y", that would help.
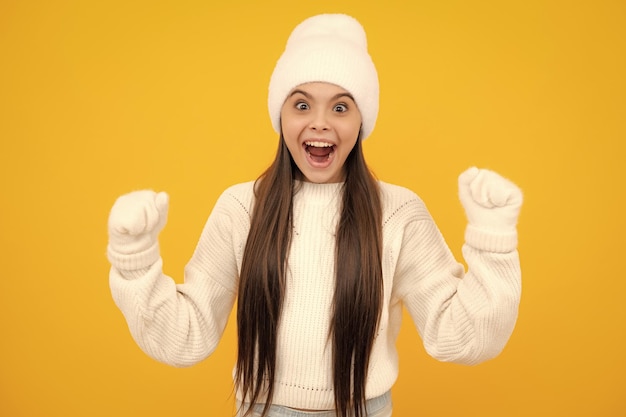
{"x": 490, "y": 201}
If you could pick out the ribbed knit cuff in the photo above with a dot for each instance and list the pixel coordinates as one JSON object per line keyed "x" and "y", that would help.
{"x": 134, "y": 261}
{"x": 491, "y": 241}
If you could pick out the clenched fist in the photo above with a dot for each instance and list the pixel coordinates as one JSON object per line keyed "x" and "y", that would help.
{"x": 491, "y": 202}
{"x": 136, "y": 220}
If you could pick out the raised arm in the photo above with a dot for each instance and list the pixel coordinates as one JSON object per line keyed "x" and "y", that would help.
{"x": 178, "y": 324}
{"x": 466, "y": 317}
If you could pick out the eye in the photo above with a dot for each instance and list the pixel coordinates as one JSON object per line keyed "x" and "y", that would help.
{"x": 340, "y": 108}
{"x": 301, "y": 105}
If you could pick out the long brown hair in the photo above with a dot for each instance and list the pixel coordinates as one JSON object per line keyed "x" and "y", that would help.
{"x": 358, "y": 293}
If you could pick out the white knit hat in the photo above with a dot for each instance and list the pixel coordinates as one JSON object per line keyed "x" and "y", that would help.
{"x": 327, "y": 48}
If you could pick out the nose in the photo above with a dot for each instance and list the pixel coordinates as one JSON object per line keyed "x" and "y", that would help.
{"x": 319, "y": 121}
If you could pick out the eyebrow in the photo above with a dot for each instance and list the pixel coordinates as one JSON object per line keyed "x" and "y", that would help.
{"x": 335, "y": 97}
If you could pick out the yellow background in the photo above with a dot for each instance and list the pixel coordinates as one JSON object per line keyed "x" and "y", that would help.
{"x": 98, "y": 98}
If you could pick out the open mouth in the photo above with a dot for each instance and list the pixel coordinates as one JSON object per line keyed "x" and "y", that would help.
{"x": 319, "y": 151}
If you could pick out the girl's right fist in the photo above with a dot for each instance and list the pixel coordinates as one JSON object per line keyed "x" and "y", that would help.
{"x": 136, "y": 220}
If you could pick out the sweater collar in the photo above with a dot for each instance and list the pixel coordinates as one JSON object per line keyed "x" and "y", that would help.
{"x": 318, "y": 192}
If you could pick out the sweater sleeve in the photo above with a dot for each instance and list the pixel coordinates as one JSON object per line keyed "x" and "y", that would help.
{"x": 181, "y": 324}
{"x": 462, "y": 316}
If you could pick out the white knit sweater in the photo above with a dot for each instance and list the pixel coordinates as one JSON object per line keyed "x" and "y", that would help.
{"x": 464, "y": 317}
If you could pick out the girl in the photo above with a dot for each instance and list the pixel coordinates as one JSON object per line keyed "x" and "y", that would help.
{"x": 319, "y": 255}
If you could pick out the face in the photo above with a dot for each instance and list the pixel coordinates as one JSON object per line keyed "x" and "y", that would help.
{"x": 320, "y": 124}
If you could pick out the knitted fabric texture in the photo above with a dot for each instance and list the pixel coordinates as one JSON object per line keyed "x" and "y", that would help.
{"x": 463, "y": 317}
{"x": 328, "y": 48}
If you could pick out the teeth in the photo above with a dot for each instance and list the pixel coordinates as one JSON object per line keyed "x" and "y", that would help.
{"x": 318, "y": 144}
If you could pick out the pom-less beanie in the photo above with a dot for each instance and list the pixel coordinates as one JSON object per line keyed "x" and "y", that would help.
{"x": 327, "y": 48}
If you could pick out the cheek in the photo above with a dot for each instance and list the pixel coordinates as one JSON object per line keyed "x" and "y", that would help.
{"x": 290, "y": 135}
{"x": 291, "y": 128}
{"x": 287, "y": 132}
{"x": 285, "y": 121}
{"x": 351, "y": 130}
